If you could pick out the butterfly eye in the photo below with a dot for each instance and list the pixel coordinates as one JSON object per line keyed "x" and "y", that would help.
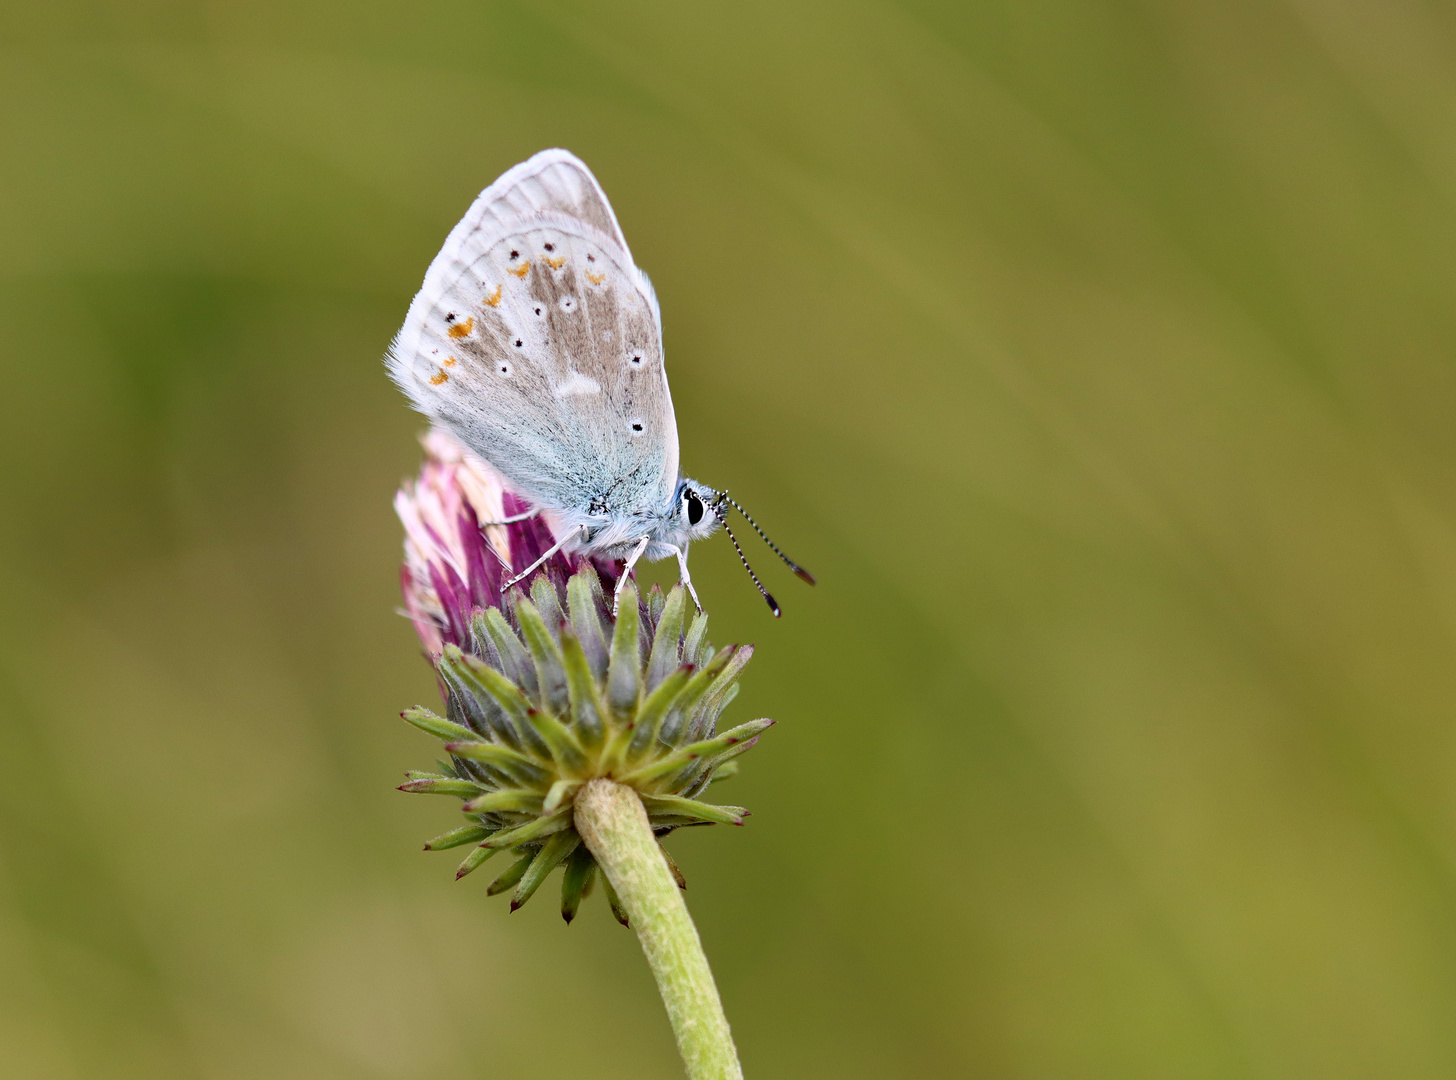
{"x": 694, "y": 507}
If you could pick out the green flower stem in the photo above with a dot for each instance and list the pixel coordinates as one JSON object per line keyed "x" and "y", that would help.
{"x": 612, "y": 821}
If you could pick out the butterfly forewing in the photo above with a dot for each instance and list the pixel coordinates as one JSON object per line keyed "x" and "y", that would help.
{"x": 537, "y": 341}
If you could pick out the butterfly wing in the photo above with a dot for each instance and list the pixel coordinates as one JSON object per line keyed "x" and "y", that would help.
{"x": 538, "y": 343}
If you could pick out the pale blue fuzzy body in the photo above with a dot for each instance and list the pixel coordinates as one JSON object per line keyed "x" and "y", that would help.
{"x": 615, "y": 536}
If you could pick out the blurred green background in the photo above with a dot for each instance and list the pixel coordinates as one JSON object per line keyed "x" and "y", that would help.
{"x": 1097, "y": 356}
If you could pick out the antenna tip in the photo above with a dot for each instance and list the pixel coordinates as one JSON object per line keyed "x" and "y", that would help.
{"x": 804, "y": 575}
{"x": 773, "y": 605}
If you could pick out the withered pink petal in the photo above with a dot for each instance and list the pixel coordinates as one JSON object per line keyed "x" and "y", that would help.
{"x": 452, "y": 566}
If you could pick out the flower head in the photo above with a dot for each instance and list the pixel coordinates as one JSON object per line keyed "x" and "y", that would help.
{"x": 546, "y": 692}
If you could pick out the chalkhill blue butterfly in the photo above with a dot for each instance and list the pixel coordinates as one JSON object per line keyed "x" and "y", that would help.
{"x": 537, "y": 342}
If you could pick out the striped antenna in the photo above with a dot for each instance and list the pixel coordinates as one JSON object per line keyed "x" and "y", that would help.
{"x": 723, "y": 520}
{"x": 795, "y": 567}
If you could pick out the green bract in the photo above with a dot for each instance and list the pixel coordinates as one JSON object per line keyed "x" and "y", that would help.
{"x": 553, "y": 694}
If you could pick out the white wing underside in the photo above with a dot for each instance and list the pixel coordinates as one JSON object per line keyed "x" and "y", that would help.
{"x": 538, "y": 343}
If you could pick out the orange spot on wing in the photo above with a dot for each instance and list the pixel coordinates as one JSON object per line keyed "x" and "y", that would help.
{"x": 521, "y": 270}
{"x": 595, "y": 279}
{"x": 449, "y": 361}
{"x": 460, "y": 329}
{"x": 439, "y": 377}
{"x": 494, "y": 298}
{"x": 556, "y": 263}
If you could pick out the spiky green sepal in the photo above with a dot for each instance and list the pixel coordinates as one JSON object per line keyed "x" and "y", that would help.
{"x": 554, "y": 692}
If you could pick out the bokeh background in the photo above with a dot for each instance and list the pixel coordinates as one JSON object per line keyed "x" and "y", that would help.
{"x": 1098, "y": 357}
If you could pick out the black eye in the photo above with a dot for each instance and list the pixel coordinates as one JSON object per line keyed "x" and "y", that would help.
{"x": 695, "y": 507}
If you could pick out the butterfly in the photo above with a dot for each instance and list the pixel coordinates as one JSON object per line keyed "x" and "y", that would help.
{"x": 537, "y": 342}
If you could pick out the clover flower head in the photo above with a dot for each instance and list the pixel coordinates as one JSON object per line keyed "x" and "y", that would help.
{"x": 545, "y": 692}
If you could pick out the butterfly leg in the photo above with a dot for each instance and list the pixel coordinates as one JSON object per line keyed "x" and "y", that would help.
{"x": 554, "y": 549}
{"x": 504, "y": 521}
{"x": 527, "y": 516}
{"x": 626, "y": 572}
{"x": 685, "y": 577}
